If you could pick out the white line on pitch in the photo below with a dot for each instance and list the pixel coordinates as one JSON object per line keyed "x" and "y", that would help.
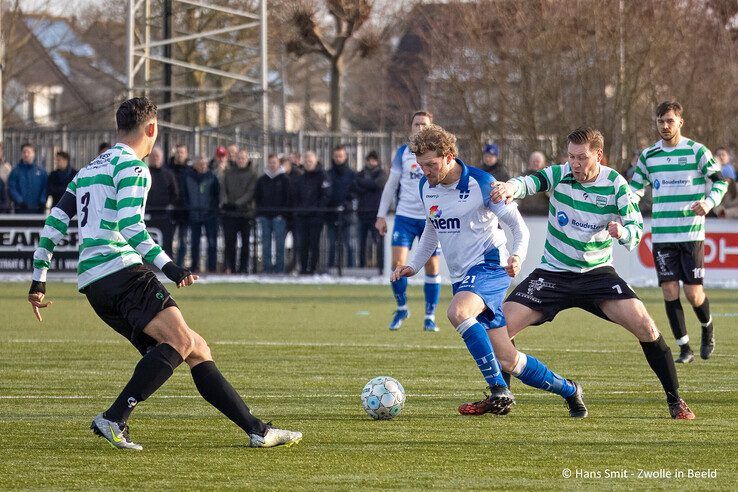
{"x": 338, "y": 395}
{"x": 266, "y": 343}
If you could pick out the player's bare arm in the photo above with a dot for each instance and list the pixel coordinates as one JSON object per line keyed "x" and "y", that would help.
{"x": 381, "y": 226}
{"x": 701, "y": 207}
{"x": 503, "y": 191}
{"x": 36, "y": 297}
{"x": 402, "y": 271}
{"x": 513, "y": 265}
{"x": 615, "y": 229}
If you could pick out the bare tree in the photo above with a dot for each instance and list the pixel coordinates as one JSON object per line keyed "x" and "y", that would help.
{"x": 349, "y": 16}
{"x": 531, "y": 71}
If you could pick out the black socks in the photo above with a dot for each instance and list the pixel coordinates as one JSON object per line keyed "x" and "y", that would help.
{"x": 703, "y": 313}
{"x": 219, "y": 393}
{"x": 658, "y": 355}
{"x": 150, "y": 373}
{"x": 675, "y": 313}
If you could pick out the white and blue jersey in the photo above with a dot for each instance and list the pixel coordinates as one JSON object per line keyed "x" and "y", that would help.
{"x": 408, "y": 203}
{"x": 465, "y": 221}
{"x": 402, "y": 183}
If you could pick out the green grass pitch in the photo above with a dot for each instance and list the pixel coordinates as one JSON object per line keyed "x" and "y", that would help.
{"x": 300, "y": 356}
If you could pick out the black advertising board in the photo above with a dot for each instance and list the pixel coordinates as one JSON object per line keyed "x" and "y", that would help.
{"x": 19, "y": 236}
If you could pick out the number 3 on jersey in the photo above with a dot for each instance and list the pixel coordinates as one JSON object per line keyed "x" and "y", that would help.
{"x": 85, "y": 199}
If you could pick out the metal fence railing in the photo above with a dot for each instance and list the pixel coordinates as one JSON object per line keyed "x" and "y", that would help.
{"x": 82, "y": 145}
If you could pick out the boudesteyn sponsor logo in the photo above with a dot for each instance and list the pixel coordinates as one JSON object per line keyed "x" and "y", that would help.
{"x": 585, "y": 225}
{"x": 673, "y": 182}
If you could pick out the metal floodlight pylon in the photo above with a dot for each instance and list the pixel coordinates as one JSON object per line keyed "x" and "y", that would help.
{"x": 140, "y": 56}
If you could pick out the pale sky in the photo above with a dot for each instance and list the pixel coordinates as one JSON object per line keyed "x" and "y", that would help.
{"x": 58, "y": 7}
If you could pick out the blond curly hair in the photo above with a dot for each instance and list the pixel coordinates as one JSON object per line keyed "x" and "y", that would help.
{"x": 436, "y": 139}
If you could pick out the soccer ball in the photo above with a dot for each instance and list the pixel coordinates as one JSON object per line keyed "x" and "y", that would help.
{"x": 383, "y": 398}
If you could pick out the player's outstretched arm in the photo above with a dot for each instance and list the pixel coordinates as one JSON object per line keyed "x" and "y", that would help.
{"x": 503, "y": 192}
{"x": 402, "y": 271}
{"x": 55, "y": 229}
{"x": 510, "y": 216}
{"x": 629, "y": 229}
{"x": 425, "y": 248}
{"x": 131, "y": 179}
{"x": 640, "y": 178}
{"x": 711, "y": 170}
{"x": 388, "y": 193}
{"x": 522, "y": 186}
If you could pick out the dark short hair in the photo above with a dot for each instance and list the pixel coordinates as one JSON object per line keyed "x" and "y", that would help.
{"x": 63, "y": 155}
{"x": 27, "y": 144}
{"x": 372, "y": 155}
{"x": 667, "y": 106}
{"x": 103, "y": 146}
{"x": 180, "y": 146}
{"x": 272, "y": 156}
{"x": 339, "y": 147}
{"x": 133, "y": 113}
{"x": 422, "y": 112}
{"x": 587, "y": 135}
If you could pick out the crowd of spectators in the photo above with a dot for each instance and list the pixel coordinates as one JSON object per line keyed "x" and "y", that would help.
{"x": 296, "y": 215}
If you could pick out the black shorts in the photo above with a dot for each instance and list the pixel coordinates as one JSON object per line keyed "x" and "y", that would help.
{"x": 680, "y": 261}
{"x": 550, "y": 292}
{"x": 128, "y": 300}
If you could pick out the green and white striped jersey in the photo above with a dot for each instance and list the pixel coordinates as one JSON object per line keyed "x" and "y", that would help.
{"x": 578, "y": 215}
{"x": 110, "y": 193}
{"x": 678, "y": 177}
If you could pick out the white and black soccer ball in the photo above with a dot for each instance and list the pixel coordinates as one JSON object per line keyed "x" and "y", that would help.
{"x": 383, "y": 398}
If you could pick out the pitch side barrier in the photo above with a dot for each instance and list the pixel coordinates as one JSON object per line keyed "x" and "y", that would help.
{"x": 20, "y": 235}
{"x": 637, "y": 266}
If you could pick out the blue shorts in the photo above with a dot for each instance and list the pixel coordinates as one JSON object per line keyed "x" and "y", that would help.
{"x": 406, "y": 230}
{"x": 490, "y": 282}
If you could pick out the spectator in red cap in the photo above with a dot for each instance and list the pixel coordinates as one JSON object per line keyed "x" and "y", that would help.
{"x": 220, "y": 162}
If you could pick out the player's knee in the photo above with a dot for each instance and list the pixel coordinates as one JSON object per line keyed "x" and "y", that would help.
{"x": 182, "y": 341}
{"x": 201, "y": 351}
{"x": 456, "y": 314}
{"x": 670, "y": 290}
{"x": 647, "y": 329}
{"x": 695, "y": 296}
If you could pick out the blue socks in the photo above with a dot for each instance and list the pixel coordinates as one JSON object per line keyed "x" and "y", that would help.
{"x": 432, "y": 289}
{"x": 399, "y": 289}
{"x": 477, "y": 342}
{"x": 534, "y": 373}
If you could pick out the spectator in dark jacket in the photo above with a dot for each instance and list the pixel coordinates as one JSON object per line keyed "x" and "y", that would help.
{"x": 491, "y": 163}
{"x": 5, "y": 168}
{"x": 4, "y": 205}
{"x": 272, "y": 198}
{"x": 202, "y": 196}
{"x": 181, "y": 165}
{"x": 163, "y": 196}
{"x": 368, "y": 188}
{"x": 535, "y": 204}
{"x": 342, "y": 179}
{"x": 236, "y": 197}
{"x": 60, "y": 177}
{"x": 292, "y": 172}
{"x": 27, "y": 183}
{"x": 312, "y": 193}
